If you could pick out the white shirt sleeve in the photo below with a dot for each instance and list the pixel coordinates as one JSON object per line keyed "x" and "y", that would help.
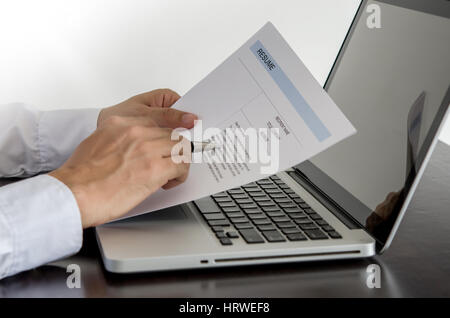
{"x": 39, "y": 223}
{"x": 39, "y": 217}
{"x": 33, "y": 141}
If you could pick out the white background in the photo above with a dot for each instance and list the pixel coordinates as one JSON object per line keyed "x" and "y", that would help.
{"x": 95, "y": 53}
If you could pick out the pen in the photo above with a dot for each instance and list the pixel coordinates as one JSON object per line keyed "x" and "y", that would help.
{"x": 200, "y": 146}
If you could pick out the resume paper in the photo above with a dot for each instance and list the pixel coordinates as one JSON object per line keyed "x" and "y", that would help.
{"x": 261, "y": 85}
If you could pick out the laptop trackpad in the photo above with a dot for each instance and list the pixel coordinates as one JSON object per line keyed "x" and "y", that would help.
{"x": 170, "y": 214}
{"x": 171, "y": 231}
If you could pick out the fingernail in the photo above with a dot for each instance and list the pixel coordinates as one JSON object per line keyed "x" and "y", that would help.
{"x": 188, "y": 119}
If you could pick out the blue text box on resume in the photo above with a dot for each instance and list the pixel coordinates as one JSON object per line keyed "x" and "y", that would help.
{"x": 292, "y": 94}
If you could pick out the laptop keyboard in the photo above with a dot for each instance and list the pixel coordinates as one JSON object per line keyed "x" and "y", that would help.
{"x": 267, "y": 210}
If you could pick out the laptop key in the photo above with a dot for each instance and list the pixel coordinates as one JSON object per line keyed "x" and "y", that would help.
{"x": 271, "y": 209}
{"x": 321, "y": 222}
{"x": 226, "y": 241}
{"x": 235, "y": 214}
{"x": 293, "y": 210}
{"x": 296, "y": 237}
{"x": 239, "y": 196}
{"x": 257, "y": 194}
{"x": 241, "y": 226}
{"x": 253, "y": 210}
{"x": 214, "y": 216}
{"x": 291, "y": 230}
{"x": 217, "y": 229}
{"x": 327, "y": 228}
{"x": 334, "y": 235}
{"x": 304, "y": 220}
{"x": 266, "y": 227}
{"x": 298, "y": 200}
{"x": 269, "y": 191}
{"x": 232, "y": 234}
{"x": 277, "y": 196}
{"x": 232, "y": 209}
{"x": 230, "y": 204}
{"x": 257, "y": 216}
{"x": 207, "y": 205}
{"x": 282, "y": 200}
{"x": 264, "y": 181}
{"x": 316, "y": 234}
{"x": 275, "y": 214}
{"x": 308, "y": 226}
{"x": 236, "y": 191}
{"x": 273, "y": 236}
{"x": 220, "y": 195}
{"x": 221, "y": 234}
{"x": 248, "y": 206}
{"x": 250, "y": 185}
{"x": 268, "y": 186}
{"x": 266, "y": 203}
{"x": 219, "y": 223}
{"x": 223, "y": 199}
{"x": 297, "y": 215}
{"x": 255, "y": 189}
{"x": 288, "y": 205}
{"x": 244, "y": 201}
{"x": 284, "y": 225}
{"x": 315, "y": 216}
{"x": 261, "y": 199}
{"x": 251, "y": 236}
{"x": 280, "y": 219}
{"x": 262, "y": 222}
{"x": 239, "y": 220}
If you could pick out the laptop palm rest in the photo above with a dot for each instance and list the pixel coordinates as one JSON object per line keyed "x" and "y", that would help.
{"x": 168, "y": 232}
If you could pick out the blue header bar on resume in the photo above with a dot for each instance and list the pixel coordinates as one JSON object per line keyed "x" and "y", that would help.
{"x": 290, "y": 91}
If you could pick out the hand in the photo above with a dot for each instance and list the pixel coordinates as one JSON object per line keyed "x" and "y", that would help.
{"x": 382, "y": 212}
{"x": 153, "y": 105}
{"x": 385, "y": 208}
{"x": 118, "y": 166}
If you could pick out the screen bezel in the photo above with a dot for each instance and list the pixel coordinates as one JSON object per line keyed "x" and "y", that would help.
{"x": 329, "y": 188}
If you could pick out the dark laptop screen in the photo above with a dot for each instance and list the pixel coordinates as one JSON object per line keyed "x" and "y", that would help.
{"x": 390, "y": 82}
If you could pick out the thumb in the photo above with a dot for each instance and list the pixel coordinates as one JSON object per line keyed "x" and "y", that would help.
{"x": 172, "y": 118}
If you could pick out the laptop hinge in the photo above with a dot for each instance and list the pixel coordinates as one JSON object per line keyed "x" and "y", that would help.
{"x": 324, "y": 199}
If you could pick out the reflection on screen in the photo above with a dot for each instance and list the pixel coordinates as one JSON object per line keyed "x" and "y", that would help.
{"x": 390, "y": 84}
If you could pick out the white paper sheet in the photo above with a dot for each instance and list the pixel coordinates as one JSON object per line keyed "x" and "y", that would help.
{"x": 262, "y": 84}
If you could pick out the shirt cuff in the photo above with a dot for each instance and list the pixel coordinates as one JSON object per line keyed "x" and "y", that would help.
{"x": 61, "y": 131}
{"x": 43, "y": 220}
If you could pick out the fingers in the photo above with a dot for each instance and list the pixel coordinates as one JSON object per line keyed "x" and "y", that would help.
{"x": 153, "y": 107}
{"x": 156, "y": 116}
{"x": 172, "y": 174}
{"x": 158, "y": 98}
{"x": 172, "y": 184}
{"x": 164, "y": 147}
{"x": 173, "y": 118}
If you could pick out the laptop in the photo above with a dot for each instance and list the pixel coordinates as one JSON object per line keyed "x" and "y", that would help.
{"x": 391, "y": 79}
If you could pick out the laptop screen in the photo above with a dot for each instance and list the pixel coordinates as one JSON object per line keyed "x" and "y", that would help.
{"x": 390, "y": 80}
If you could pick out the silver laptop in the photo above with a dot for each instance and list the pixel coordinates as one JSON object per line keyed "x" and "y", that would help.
{"x": 391, "y": 79}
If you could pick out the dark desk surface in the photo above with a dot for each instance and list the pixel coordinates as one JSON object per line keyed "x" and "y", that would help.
{"x": 417, "y": 264}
